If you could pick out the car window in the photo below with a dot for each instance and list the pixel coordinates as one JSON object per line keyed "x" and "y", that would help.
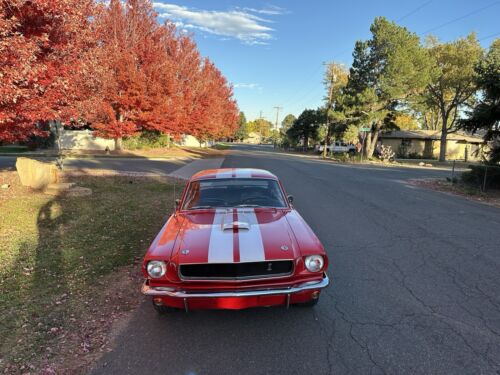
{"x": 233, "y": 192}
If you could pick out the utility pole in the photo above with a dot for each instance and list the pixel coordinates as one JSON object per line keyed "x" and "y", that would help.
{"x": 278, "y": 109}
{"x": 260, "y": 127}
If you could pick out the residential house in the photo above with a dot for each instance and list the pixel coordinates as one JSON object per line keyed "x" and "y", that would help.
{"x": 426, "y": 144}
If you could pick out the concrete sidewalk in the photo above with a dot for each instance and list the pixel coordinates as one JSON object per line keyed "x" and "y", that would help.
{"x": 190, "y": 169}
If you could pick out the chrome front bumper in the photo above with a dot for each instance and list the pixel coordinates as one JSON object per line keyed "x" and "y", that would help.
{"x": 178, "y": 293}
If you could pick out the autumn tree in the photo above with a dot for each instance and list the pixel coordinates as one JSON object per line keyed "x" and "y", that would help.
{"x": 335, "y": 81}
{"x": 108, "y": 64}
{"x": 400, "y": 120}
{"x": 260, "y": 126}
{"x": 153, "y": 79}
{"x": 132, "y": 52}
{"x": 215, "y": 114}
{"x": 453, "y": 83}
{"x": 41, "y": 43}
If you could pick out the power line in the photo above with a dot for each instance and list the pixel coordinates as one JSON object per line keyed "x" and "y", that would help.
{"x": 461, "y": 17}
{"x": 414, "y": 11}
{"x": 489, "y": 36}
{"x": 294, "y": 99}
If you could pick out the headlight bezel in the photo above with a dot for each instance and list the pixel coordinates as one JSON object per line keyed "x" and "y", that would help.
{"x": 154, "y": 264}
{"x": 310, "y": 260}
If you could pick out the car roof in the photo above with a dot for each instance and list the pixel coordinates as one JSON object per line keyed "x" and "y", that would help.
{"x": 209, "y": 174}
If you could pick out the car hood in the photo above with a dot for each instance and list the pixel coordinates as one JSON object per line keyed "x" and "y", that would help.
{"x": 235, "y": 235}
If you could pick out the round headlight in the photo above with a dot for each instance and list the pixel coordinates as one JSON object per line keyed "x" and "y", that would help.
{"x": 314, "y": 263}
{"x": 156, "y": 268}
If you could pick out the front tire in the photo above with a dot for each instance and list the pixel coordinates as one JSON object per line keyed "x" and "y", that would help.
{"x": 161, "y": 309}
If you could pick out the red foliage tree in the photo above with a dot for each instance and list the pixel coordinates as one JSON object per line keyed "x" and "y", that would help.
{"x": 212, "y": 111}
{"x": 40, "y": 45}
{"x": 155, "y": 79}
{"x": 131, "y": 52}
{"x": 112, "y": 65}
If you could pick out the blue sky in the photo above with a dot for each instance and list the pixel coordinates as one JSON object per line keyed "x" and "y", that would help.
{"x": 273, "y": 52}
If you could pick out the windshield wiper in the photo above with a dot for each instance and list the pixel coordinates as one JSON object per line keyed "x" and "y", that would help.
{"x": 247, "y": 205}
{"x": 199, "y": 207}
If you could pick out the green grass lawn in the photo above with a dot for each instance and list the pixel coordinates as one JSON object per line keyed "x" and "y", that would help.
{"x": 57, "y": 254}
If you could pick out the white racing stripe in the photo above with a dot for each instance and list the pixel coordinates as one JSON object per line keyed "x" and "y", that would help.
{"x": 220, "y": 247}
{"x": 226, "y": 174}
{"x": 250, "y": 241}
{"x": 243, "y": 173}
{"x": 238, "y": 173}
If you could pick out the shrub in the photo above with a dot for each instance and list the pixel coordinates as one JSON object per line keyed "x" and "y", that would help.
{"x": 476, "y": 176}
{"x": 386, "y": 153}
{"x": 147, "y": 140}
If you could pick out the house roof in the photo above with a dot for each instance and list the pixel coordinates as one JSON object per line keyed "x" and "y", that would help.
{"x": 431, "y": 134}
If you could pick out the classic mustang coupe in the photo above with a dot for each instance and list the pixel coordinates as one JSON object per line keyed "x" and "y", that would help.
{"x": 233, "y": 242}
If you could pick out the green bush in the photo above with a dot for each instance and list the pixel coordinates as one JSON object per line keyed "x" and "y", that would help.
{"x": 147, "y": 140}
{"x": 476, "y": 176}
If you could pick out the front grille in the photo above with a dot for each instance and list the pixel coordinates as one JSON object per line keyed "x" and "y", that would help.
{"x": 236, "y": 271}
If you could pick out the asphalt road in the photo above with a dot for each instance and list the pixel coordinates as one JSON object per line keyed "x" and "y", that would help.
{"x": 142, "y": 165}
{"x": 416, "y": 288}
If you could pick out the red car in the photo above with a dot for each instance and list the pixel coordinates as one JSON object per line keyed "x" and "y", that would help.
{"x": 233, "y": 242}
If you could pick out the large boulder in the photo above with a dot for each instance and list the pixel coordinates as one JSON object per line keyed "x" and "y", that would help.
{"x": 36, "y": 174}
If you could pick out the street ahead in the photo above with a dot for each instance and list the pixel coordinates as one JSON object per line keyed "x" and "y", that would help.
{"x": 416, "y": 287}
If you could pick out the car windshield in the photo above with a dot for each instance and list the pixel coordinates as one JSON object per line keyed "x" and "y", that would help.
{"x": 234, "y": 192}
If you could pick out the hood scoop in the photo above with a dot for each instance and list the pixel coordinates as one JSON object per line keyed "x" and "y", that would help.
{"x": 235, "y": 225}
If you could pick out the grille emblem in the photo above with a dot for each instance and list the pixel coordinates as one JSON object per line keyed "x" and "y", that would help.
{"x": 185, "y": 252}
{"x": 269, "y": 267}
{"x": 284, "y": 247}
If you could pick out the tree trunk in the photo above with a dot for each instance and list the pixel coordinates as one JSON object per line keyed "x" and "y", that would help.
{"x": 306, "y": 142}
{"x": 119, "y": 143}
{"x": 444, "y": 136}
{"x": 169, "y": 141}
{"x": 327, "y": 142}
{"x": 371, "y": 141}
{"x": 119, "y": 140}
{"x": 368, "y": 145}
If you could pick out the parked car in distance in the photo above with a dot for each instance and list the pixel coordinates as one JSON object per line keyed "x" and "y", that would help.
{"x": 234, "y": 241}
{"x": 338, "y": 147}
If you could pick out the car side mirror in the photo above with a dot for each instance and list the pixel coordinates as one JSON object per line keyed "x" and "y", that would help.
{"x": 177, "y": 203}
{"x": 290, "y": 199}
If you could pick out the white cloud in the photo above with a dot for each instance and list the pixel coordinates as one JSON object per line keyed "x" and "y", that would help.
{"x": 242, "y": 24}
{"x": 272, "y": 10}
{"x": 247, "y": 86}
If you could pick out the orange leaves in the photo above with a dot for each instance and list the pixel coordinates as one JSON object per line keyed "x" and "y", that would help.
{"x": 111, "y": 65}
{"x": 157, "y": 79}
{"x": 39, "y": 48}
